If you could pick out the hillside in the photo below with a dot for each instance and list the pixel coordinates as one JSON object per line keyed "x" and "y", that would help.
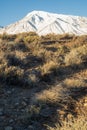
{"x": 43, "y": 82}
{"x": 44, "y": 23}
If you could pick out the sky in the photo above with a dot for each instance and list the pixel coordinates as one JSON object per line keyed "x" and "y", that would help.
{"x": 14, "y": 10}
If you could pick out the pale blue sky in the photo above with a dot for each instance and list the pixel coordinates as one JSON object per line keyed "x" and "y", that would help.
{"x": 14, "y": 10}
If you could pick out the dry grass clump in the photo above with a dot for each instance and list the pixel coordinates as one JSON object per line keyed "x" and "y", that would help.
{"x": 57, "y": 38}
{"x": 7, "y": 37}
{"x": 76, "y": 55}
{"x": 47, "y": 67}
{"x": 51, "y": 95}
{"x": 11, "y": 75}
{"x": 16, "y": 76}
{"x": 19, "y": 38}
{"x": 76, "y": 82}
{"x": 31, "y": 39}
{"x": 72, "y": 124}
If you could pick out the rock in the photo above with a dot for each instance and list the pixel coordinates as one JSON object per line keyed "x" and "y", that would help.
{"x": 8, "y": 128}
{"x": 36, "y": 125}
{"x": 1, "y": 112}
{"x": 23, "y": 110}
{"x": 24, "y": 103}
{"x": 8, "y": 92}
{"x": 13, "y": 90}
{"x": 30, "y": 127}
{"x": 17, "y": 104}
{"x": 11, "y": 121}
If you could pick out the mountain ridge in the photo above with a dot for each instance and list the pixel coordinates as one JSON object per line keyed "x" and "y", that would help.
{"x": 43, "y": 23}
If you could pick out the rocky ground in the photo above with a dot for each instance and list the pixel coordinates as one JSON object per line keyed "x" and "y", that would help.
{"x": 15, "y": 114}
{"x": 14, "y": 104}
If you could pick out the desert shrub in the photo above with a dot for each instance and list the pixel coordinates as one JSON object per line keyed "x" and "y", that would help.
{"x": 76, "y": 55}
{"x": 32, "y": 34}
{"x": 50, "y": 95}
{"x": 16, "y": 76}
{"x": 78, "y": 41}
{"x": 21, "y": 46}
{"x": 12, "y": 46}
{"x": 72, "y": 124}
{"x": 63, "y": 49}
{"x": 49, "y": 37}
{"x": 11, "y": 75}
{"x": 4, "y": 36}
{"x": 31, "y": 39}
{"x": 8, "y": 37}
{"x": 66, "y": 36}
{"x": 74, "y": 82}
{"x": 12, "y": 60}
{"x": 19, "y": 38}
{"x": 47, "y": 67}
{"x": 32, "y": 77}
{"x": 7, "y": 46}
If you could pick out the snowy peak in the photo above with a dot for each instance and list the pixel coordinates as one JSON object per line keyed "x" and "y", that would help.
{"x": 43, "y": 23}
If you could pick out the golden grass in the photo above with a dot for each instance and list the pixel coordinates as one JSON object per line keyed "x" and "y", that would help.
{"x": 76, "y": 55}
{"x": 52, "y": 95}
{"x": 76, "y": 82}
{"x": 74, "y": 124}
{"x": 47, "y": 67}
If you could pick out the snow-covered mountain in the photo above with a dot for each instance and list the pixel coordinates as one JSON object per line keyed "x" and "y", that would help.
{"x": 43, "y": 23}
{"x": 1, "y": 27}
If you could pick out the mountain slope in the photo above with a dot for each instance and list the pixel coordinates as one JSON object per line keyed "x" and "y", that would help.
{"x": 44, "y": 23}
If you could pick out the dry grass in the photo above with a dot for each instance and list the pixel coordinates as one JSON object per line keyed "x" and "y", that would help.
{"x": 74, "y": 124}
{"x": 52, "y": 95}
{"x": 76, "y": 55}
{"x": 48, "y": 67}
{"x": 54, "y": 64}
{"x": 77, "y": 82}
